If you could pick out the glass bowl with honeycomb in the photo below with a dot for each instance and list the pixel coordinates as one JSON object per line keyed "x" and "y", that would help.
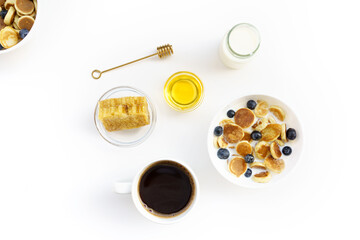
{"x": 124, "y": 116}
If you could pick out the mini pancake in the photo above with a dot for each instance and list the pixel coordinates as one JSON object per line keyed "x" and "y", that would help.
{"x": 243, "y": 148}
{"x": 225, "y": 121}
{"x": 237, "y": 166}
{"x": 275, "y": 150}
{"x": 283, "y": 133}
{"x": 8, "y": 37}
{"x": 262, "y": 109}
{"x": 271, "y": 119}
{"x": 215, "y": 142}
{"x": 278, "y": 112}
{"x": 16, "y": 19}
{"x": 15, "y": 23}
{"x": 9, "y": 18}
{"x": 271, "y": 132}
{"x": 33, "y": 14}
{"x": 25, "y": 22}
{"x": 221, "y": 142}
{"x": 247, "y": 137}
{"x": 262, "y": 149}
{"x": 281, "y": 143}
{"x": 244, "y": 117}
{"x": 35, "y": 5}
{"x": 8, "y": 4}
{"x": 233, "y": 133}
{"x": 275, "y": 165}
{"x": 259, "y": 165}
{"x": 2, "y": 3}
{"x": 262, "y": 177}
{"x": 260, "y": 124}
{"x": 24, "y": 7}
{"x": 16, "y": 27}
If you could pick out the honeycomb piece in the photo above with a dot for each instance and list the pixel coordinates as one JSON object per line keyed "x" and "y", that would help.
{"x": 124, "y": 113}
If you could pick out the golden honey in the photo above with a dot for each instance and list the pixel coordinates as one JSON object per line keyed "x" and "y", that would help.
{"x": 183, "y": 91}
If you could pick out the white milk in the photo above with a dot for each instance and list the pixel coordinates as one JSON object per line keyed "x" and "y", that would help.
{"x": 239, "y": 45}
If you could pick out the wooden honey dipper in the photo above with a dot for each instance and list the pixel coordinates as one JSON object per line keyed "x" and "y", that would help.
{"x": 162, "y": 51}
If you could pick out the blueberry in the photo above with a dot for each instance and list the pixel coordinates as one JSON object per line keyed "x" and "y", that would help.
{"x": 230, "y": 113}
{"x": 1, "y": 47}
{"x": 248, "y": 172}
{"x": 218, "y": 131}
{"x": 251, "y": 104}
{"x": 23, "y": 33}
{"x": 291, "y": 134}
{"x": 249, "y": 158}
{"x": 3, "y": 13}
{"x": 223, "y": 153}
{"x": 287, "y": 150}
{"x": 256, "y": 135}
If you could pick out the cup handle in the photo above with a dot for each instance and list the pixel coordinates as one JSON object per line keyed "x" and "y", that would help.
{"x": 123, "y": 187}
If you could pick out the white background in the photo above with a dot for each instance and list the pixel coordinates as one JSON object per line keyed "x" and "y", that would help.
{"x": 57, "y": 173}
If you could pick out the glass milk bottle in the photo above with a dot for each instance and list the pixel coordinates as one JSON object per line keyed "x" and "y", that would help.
{"x": 239, "y": 45}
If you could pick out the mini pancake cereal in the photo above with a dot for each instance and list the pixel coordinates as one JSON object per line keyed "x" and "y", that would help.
{"x": 16, "y": 20}
{"x": 254, "y": 139}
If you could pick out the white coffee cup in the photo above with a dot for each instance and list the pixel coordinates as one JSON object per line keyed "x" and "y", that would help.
{"x": 132, "y": 187}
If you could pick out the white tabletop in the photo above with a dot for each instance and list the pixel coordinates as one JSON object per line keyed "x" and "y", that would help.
{"x": 57, "y": 173}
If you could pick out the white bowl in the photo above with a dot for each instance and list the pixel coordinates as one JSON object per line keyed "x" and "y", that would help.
{"x": 290, "y": 161}
{"x": 27, "y": 38}
{"x": 128, "y": 137}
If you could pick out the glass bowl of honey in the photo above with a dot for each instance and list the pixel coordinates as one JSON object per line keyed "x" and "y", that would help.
{"x": 184, "y": 91}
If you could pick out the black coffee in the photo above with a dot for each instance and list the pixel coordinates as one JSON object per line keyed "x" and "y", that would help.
{"x": 166, "y": 188}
